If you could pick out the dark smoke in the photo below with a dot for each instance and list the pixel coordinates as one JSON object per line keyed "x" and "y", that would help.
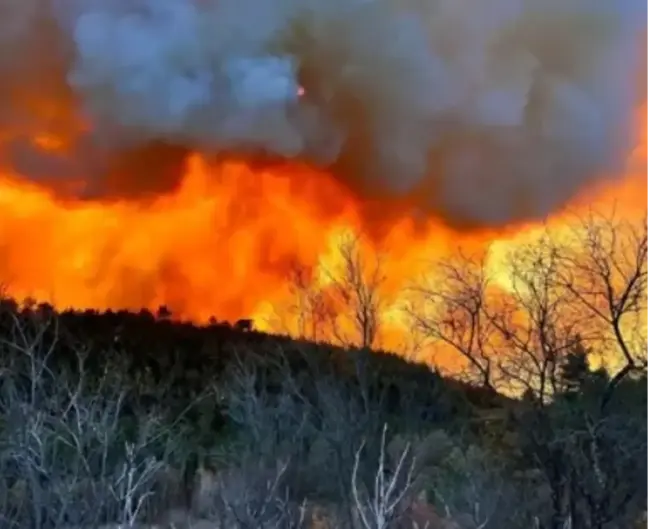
{"x": 481, "y": 112}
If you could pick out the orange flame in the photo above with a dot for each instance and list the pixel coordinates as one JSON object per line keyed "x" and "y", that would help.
{"x": 223, "y": 243}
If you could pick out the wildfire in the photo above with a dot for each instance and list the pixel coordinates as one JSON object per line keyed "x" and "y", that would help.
{"x": 224, "y": 243}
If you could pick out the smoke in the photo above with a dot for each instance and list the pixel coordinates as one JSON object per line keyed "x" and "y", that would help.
{"x": 481, "y": 112}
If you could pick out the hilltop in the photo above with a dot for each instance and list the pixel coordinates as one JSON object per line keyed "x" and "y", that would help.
{"x": 117, "y": 416}
{"x": 161, "y": 347}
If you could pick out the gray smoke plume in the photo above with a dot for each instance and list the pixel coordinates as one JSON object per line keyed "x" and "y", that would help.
{"x": 482, "y": 112}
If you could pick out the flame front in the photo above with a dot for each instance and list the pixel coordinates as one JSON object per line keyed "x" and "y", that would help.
{"x": 224, "y": 242}
{"x": 221, "y": 245}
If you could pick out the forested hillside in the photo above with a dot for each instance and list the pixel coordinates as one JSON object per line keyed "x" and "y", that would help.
{"x": 121, "y": 417}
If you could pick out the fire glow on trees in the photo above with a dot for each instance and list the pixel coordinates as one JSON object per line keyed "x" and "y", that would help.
{"x": 514, "y": 130}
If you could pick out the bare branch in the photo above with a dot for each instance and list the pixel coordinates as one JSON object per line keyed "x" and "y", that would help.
{"x": 603, "y": 268}
{"x": 379, "y": 508}
{"x": 454, "y": 314}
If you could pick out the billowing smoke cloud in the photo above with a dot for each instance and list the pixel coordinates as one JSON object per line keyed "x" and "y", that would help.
{"x": 483, "y": 112}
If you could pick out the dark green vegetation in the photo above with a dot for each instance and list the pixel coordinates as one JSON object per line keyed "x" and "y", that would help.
{"x": 115, "y": 417}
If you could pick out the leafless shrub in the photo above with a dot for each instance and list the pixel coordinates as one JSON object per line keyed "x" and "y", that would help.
{"x": 467, "y": 486}
{"x": 65, "y": 458}
{"x": 380, "y": 506}
{"x": 261, "y": 397}
{"x": 250, "y": 497}
{"x": 132, "y": 487}
{"x": 324, "y": 426}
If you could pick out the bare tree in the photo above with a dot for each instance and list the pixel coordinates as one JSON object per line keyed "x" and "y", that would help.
{"x": 453, "y": 314}
{"x": 603, "y": 268}
{"x": 516, "y": 335}
{"x": 321, "y": 425}
{"x": 311, "y": 306}
{"x": 250, "y": 497}
{"x": 341, "y": 302}
{"x": 608, "y": 477}
{"x": 66, "y": 458}
{"x": 567, "y": 296}
{"x": 534, "y": 321}
{"x": 383, "y": 505}
{"x": 356, "y": 293}
{"x": 534, "y": 331}
{"x": 469, "y": 485}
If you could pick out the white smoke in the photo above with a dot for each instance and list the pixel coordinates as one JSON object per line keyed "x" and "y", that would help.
{"x": 481, "y": 111}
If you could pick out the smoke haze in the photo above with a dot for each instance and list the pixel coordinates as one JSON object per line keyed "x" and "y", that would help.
{"x": 482, "y": 113}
